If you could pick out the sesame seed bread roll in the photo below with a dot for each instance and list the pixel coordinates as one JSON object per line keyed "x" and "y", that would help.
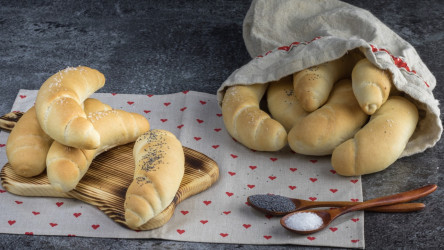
{"x": 159, "y": 169}
{"x": 379, "y": 143}
{"x": 59, "y": 110}
{"x": 27, "y": 146}
{"x": 325, "y": 128}
{"x": 371, "y": 85}
{"x": 312, "y": 86}
{"x": 282, "y": 103}
{"x": 67, "y": 165}
{"x": 247, "y": 123}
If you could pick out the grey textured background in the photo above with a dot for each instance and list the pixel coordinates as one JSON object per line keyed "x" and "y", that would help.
{"x": 161, "y": 47}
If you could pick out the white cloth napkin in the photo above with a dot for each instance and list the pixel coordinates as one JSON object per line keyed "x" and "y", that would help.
{"x": 219, "y": 214}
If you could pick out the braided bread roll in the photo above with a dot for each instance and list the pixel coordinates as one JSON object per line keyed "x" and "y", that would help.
{"x": 160, "y": 166}
{"x": 313, "y": 85}
{"x": 371, "y": 85}
{"x": 379, "y": 143}
{"x": 59, "y": 110}
{"x": 67, "y": 165}
{"x": 249, "y": 125}
{"x": 322, "y": 130}
{"x": 282, "y": 103}
{"x": 27, "y": 146}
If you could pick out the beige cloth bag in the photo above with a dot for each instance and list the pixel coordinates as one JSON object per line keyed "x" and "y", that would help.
{"x": 286, "y": 36}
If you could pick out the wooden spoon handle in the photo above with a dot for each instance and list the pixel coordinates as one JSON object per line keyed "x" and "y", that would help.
{"x": 393, "y": 199}
{"x": 398, "y": 208}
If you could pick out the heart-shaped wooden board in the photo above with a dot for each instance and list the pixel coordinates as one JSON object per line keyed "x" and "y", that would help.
{"x": 107, "y": 179}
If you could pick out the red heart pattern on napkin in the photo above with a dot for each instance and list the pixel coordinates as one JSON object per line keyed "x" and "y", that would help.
{"x": 220, "y": 214}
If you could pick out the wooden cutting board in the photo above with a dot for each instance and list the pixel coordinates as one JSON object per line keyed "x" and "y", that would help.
{"x": 107, "y": 179}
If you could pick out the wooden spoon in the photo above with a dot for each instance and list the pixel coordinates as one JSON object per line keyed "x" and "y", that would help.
{"x": 278, "y": 205}
{"x": 311, "y": 221}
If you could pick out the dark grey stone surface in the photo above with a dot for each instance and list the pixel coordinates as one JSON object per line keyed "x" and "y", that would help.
{"x": 164, "y": 47}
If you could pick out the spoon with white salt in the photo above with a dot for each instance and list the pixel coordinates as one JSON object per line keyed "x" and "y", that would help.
{"x": 311, "y": 221}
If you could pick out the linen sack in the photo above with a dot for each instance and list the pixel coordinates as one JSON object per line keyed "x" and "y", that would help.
{"x": 286, "y": 36}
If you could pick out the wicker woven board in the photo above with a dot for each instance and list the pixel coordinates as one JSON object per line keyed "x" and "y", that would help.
{"x": 107, "y": 179}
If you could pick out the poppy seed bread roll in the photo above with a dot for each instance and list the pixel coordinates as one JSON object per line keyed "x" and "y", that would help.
{"x": 59, "y": 110}
{"x": 322, "y": 130}
{"x": 159, "y": 169}
{"x": 282, "y": 103}
{"x": 312, "y": 86}
{"x": 380, "y": 142}
{"x": 247, "y": 123}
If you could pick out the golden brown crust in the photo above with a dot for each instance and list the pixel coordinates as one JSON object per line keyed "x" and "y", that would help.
{"x": 59, "y": 110}
{"x": 159, "y": 169}
{"x": 247, "y": 123}
{"x": 322, "y": 130}
{"x": 379, "y": 143}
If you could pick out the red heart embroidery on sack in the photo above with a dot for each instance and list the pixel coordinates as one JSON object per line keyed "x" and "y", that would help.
{"x": 269, "y": 216}
{"x": 333, "y": 229}
{"x": 355, "y": 219}
{"x": 180, "y": 231}
{"x": 183, "y": 109}
{"x": 354, "y": 200}
{"x": 163, "y": 120}
{"x": 312, "y": 198}
{"x": 215, "y": 146}
{"x": 197, "y": 138}
{"x": 217, "y": 129}
{"x": 19, "y": 202}
{"x": 204, "y": 221}
{"x": 311, "y": 238}
{"x": 333, "y": 171}
{"x": 203, "y": 102}
{"x": 227, "y": 212}
{"x": 11, "y": 222}
{"x": 35, "y": 213}
{"x": 293, "y": 169}
{"x": 150, "y": 95}
{"x": 271, "y": 177}
{"x": 29, "y": 233}
{"x": 22, "y": 96}
{"x": 220, "y": 115}
{"x": 199, "y": 120}
{"x": 71, "y": 235}
{"x": 246, "y": 226}
{"x": 267, "y": 237}
{"x": 231, "y": 173}
{"x": 167, "y": 104}
{"x": 314, "y": 161}
{"x": 354, "y": 181}
{"x": 354, "y": 241}
{"x": 77, "y": 214}
{"x": 113, "y": 94}
{"x": 130, "y": 103}
{"x": 180, "y": 126}
{"x": 184, "y": 212}
{"x": 2, "y": 191}
{"x": 233, "y": 156}
{"x": 207, "y": 202}
{"x": 250, "y": 186}
{"x": 185, "y": 91}
{"x": 273, "y": 159}
{"x": 53, "y": 224}
{"x": 292, "y": 187}
{"x": 333, "y": 190}
{"x": 229, "y": 194}
{"x": 2, "y": 145}
{"x": 59, "y": 204}
{"x": 223, "y": 235}
{"x": 95, "y": 226}
{"x": 147, "y": 111}
{"x": 313, "y": 179}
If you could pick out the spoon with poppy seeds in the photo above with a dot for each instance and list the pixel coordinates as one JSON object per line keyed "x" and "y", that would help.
{"x": 311, "y": 221}
{"x": 278, "y": 205}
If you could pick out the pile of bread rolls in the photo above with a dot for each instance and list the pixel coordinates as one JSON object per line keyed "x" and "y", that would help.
{"x": 347, "y": 108}
{"x": 65, "y": 130}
